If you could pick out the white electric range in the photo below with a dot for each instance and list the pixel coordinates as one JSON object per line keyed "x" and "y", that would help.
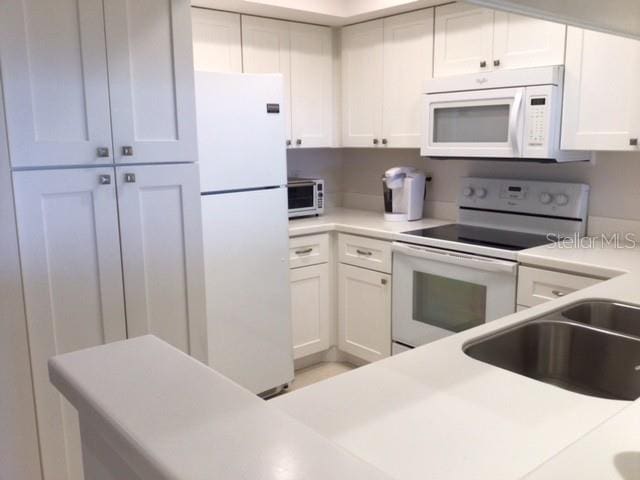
{"x": 454, "y": 277}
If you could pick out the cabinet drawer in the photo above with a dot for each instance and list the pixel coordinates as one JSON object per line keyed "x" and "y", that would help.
{"x": 536, "y": 286}
{"x": 308, "y": 250}
{"x": 365, "y": 252}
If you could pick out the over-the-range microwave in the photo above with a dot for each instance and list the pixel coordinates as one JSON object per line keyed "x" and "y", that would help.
{"x": 306, "y": 197}
{"x": 508, "y": 114}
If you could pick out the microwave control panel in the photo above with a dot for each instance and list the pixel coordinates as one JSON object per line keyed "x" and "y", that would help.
{"x": 538, "y": 119}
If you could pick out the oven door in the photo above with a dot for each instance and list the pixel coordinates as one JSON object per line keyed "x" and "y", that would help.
{"x": 479, "y": 123}
{"x": 302, "y": 198}
{"x": 437, "y": 293}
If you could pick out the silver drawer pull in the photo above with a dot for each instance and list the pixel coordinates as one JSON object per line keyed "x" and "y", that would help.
{"x": 558, "y": 293}
{"x": 364, "y": 252}
{"x": 304, "y": 252}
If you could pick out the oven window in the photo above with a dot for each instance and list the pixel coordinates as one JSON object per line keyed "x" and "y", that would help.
{"x": 447, "y": 303}
{"x": 301, "y": 196}
{"x": 480, "y": 124}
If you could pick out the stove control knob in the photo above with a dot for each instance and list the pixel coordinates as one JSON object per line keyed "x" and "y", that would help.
{"x": 481, "y": 192}
{"x": 546, "y": 198}
{"x": 468, "y": 192}
{"x": 562, "y": 199}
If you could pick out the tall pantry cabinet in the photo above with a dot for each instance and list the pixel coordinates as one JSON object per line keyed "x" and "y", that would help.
{"x": 100, "y": 110}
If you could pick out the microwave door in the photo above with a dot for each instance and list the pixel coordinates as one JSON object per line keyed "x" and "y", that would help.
{"x": 481, "y": 123}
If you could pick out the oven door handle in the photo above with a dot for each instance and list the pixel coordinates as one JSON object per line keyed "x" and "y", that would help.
{"x": 455, "y": 258}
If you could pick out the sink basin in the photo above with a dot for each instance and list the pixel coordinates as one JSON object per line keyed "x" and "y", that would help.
{"x": 615, "y": 317}
{"x": 574, "y": 355}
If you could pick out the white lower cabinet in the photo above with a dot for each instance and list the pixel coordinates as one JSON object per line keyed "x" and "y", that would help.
{"x": 310, "y": 309}
{"x": 364, "y": 312}
{"x": 71, "y": 270}
{"x": 537, "y": 285}
{"x": 162, "y": 254}
{"x": 70, "y": 250}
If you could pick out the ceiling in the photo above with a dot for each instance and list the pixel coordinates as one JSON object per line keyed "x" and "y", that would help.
{"x": 324, "y": 12}
{"x": 613, "y": 16}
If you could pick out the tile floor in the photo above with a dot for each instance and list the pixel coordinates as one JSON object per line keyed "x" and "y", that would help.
{"x": 316, "y": 373}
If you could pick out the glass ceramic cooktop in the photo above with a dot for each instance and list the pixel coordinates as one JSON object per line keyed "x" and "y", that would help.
{"x": 486, "y": 237}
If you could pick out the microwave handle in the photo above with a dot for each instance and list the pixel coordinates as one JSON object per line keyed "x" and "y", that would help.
{"x": 513, "y": 121}
{"x": 456, "y": 258}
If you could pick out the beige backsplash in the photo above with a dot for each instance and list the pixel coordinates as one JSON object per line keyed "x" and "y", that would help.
{"x": 353, "y": 180}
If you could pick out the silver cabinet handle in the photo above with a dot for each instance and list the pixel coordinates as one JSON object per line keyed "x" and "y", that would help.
{"x": 483, "y": 64}
{"x": 304, "y": 251}
{"x": 130, "y": 177}
{"x": 558, "y": 293}
{"x": 383, "y": 281}
{"x": 496, "y": 63}
{"x": 288, "y": 143}
{"x": 633, "y": 142}
{"x": 364, "y": 252}
{"x": 127, "y": 151}
{"x": 102, "y": 152}
{"x": 298, "y": 142}
{"x": 104, "y": 179}
{"x": 375, "y": 141}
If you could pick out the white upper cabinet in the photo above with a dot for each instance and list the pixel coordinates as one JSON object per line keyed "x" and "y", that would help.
{"x": 463, "y": 39}
{"x": 520, "y": 42}
{"x": 408, "y": 54}
{"x": 162, "y": 252}
{"x": 266, "y": 49}
{"x": 55, "y": 82}
{"x": 150, "y": 58}
{"x": 303, "y": 55}
{"x": 470, "y": 39}
{"x": 601, "y": 108}
{"x": 85, "y": 79}
{"x": 216, "y": 41}
{"x": 362, "y": 84}
{"x": 384, "y": 66}
{"x": 72, "y": 277}
{"x": 311, "y": 86}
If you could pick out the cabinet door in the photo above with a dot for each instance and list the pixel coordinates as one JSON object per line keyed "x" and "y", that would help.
{"x": 463, "y": 40}
{"x": 601, "y": 108}
{"x": 70, "y": 255}
{"x": 408, "y": 57}
{"x": 266, "y": 49}
{"x": 310, "y": 307}
{"x": 55, "y": 82}
{"x": 520, "y": 41}
{"x": 364, "y": 318}
{"x": 362, "y": 84}
{"x": 216, "y": 41}
{"x": 311, "y": 86}
{"x": 162, "y": 254}
{"x": 150, "y": 58}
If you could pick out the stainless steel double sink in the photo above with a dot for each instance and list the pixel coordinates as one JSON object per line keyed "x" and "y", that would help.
{"x": 591, "y": 348}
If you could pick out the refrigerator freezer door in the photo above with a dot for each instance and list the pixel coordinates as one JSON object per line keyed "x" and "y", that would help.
{"x": 247, "y": 281}
{"x": 241, "y": 133}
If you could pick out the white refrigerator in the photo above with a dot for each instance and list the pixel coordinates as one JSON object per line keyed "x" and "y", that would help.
{"x": 242, "y": 154}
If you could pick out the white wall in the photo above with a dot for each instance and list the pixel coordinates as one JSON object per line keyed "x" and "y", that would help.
{"x": 19, "y": 456}
{"x": 356, "y": 173}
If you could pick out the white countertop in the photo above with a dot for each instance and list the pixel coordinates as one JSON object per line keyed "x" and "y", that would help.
{"x": 431, "y": 413}
{"x": 171, "y": 417}
{"x": 357, "y": 222}
{"x": 435, "y": 413}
